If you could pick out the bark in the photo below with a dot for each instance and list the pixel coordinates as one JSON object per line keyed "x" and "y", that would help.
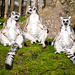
{"x": 2, "y": 8}
{"x": 40, "y": 5}
{"x": 28, "y": 4}
{"x": 20, "y": 7}
{"x": 35, "y": 3}
{"x": 6, "y": 9}
{"x": 12, "y": 5}
{"x": 45, "y": 3}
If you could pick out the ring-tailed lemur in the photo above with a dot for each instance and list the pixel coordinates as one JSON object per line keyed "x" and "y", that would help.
{"x": 36, "y": 31}
{"x": 11, "y": 34}
{"x": 65, "y": 40}
{"x": 11, "y": 31}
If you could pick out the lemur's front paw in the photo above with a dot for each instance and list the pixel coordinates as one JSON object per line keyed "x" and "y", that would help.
{"x": 7, "y": 44}
{"x": 33, "y": 42}
{"x": 39, "y": 40}
{"x": 12, "y": 42}
{"x": 57, "y": 52}
{"x": 4, "y": 44}
{"x": 69, "y": 52}
{"x": 52, "y": 43}
{"x": 20, "y": 46}
{"x": 39, "y": 43}
{"x": 43, "y": 46}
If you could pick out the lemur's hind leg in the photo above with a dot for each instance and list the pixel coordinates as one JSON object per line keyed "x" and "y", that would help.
{"x": 10, "y": 56}
{"x": 29, "y": 38}
{"x": 43, "y": 37}
{"x": 72, "y": 50}
{"x": 71, "y": 53}
{"x": 19, "y": 40}
{"x": 58, "y": 47}
{"x": 4, "y": 40}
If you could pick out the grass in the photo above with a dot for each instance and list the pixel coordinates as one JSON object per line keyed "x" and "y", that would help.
{"x": 21, "y": 19}
{"x": 2, "y": 20}
{"x": 34, "y": 60}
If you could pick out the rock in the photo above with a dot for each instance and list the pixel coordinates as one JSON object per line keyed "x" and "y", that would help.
{"x": 51, "y": 18}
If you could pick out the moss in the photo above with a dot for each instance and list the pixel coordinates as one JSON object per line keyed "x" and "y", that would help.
{"x": 34, "y": 60}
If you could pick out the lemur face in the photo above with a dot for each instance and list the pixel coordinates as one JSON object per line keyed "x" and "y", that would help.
{"x": 15, "y": 15}
{"x": 32, "y": 10}
{"x": 65, "y": 20}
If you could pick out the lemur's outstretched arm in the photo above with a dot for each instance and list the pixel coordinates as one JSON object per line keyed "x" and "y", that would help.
{"x": 4, "y": 26}
{"x": 72, "y": 35}
{"x": 41, "y": 25}
{"x": 4, "y": 30}
{"x": 18, "y": 30}
{"x": 57, "y": 38}
{"x": 26, "y": 24}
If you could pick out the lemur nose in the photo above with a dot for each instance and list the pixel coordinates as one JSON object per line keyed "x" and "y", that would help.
{"x": 28, "y": 12}
{"x": 65, "y": 24}
{"x": 34, "y": 8}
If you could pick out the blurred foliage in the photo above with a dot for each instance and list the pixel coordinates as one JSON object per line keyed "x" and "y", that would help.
{"x": 21, "y": 19}
{"x": 2, "y": 20}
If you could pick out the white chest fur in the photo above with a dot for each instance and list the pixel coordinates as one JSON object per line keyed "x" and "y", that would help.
{"x": 33, "y": 24}
{"x": 66, "y": 40}
{"x": 11, "y": 26}
{"x": 65, "y": 32}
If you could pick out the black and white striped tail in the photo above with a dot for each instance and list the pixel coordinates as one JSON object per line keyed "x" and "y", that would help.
{"x": 10, "y": 56}
{"x": 71, "y": 57}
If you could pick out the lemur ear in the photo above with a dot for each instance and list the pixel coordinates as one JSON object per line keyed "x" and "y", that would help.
{"x": 69, "y": 17}
{"x": 61, "y": 18}
{"x": 19, "y": 14}
{"x": 29, "y": 6}
{"x": 9, "y": 15}
{"x": 13, "y": 13}
{"x": 34, "y": 7}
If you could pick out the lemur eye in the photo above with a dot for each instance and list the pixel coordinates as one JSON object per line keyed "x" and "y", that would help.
{"x": 63, "y": 21}
{"x": 67, "y": 21}
{"x": 30, "y": 10}
{"x": 13, "y": 13}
